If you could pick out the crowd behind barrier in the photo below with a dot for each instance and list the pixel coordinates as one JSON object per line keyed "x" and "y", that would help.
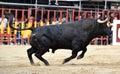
{"x": 38, "y": 18}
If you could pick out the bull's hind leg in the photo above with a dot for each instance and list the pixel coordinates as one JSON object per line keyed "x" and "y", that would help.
{"x": 82, "y": 54}
{"x": 39, "y": 54}
{"x": 30, "y": 52}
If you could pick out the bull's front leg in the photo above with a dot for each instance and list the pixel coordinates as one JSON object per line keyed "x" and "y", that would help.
{"x": 75, "y": 50}
{"x": 74, "y": 54}
{"x": 82, "y": 54}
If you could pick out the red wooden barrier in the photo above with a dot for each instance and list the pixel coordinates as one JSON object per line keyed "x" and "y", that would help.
{"x": 45, "y": 18}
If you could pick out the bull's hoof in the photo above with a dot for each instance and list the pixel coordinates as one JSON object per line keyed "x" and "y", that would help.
{"x": 47, "y": 64}
{"x": 65, "y": 61}
{"x": 79, "y": 57}
{"x": 35, "y": 64}
{"x": 32, "y": 64}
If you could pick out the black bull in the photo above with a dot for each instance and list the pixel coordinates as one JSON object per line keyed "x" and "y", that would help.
{"x": 74, "y": 36}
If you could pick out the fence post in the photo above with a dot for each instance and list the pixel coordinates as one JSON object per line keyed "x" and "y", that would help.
{"x": 35, "y": 22}
{"x": 101, "y": 40}
{"x": 67, "y": 15}
{"x": 91, "y": 16}
{"x": 103, "y": 14}
{"x": 84, "y": 14}
{"x": 61, "y": 16}
{"x": 96, "y": 15}
{"x": 48, "y": 16}
{"x": 23, "y": 26}
{"x": 73, "y": 15}
{"x": 79, "y": 15}
{"x": 42, "y": 15}
{"x": 55, "y": 15}
{"x": 16, "y": 21}
{"x": 119, "y": 15}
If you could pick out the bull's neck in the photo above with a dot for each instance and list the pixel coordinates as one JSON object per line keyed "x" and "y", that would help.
{"x": 88, "y": 40}
{"x": 91, "y": 36}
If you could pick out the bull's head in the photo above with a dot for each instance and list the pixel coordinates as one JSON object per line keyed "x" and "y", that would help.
{"x": 104, "y": 27}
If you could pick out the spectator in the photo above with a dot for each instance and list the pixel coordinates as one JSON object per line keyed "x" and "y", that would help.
{"x": 113, "y": 16}
{"x": 25, "y": 36}
{"x": 116, "y": 16}
{"x": 64, "y": 19}
{"x": 3, "y": 22}
{"x": 0, "y": 22}
{"x": 18, "y": 35}
{"x": 31, "y": 20}
{"x": 56, "y": 20}
{"x": 51, "y": 2}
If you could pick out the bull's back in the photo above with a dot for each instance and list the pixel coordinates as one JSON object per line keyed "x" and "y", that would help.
{"x": 61, "y": 36}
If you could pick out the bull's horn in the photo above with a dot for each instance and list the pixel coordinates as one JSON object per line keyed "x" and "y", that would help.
{"x": 99, "y": 21}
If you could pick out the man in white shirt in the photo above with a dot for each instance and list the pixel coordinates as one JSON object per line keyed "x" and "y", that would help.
{"x": 3, "y": 22}
{"x": 56, "y": 2}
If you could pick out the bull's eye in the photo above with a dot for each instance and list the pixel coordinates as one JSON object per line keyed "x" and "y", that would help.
{"x": 108, "y": 24}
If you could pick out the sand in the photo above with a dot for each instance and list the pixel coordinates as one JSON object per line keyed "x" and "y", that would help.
{"x": 97, "y": 60}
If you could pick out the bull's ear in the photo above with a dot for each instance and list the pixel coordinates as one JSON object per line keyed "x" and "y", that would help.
{"x": 100, "y": 21}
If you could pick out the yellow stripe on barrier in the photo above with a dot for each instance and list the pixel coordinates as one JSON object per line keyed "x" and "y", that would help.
{"x": 8, "y": 29}
{"x": 29, "y": 31}
{"x": 48, "y": 23}
{"x": 35, "y": 24}
{"x": 22, "y": 26}
{"x": 60, "y": 23}
{"x": 41, "y": 23}
{"x": 29, "y": 24}
{"x": 2, "y": 27}
{"x": 15, "y": 31}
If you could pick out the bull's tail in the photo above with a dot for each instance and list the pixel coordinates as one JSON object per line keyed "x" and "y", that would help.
{"x": 11, "y": 23}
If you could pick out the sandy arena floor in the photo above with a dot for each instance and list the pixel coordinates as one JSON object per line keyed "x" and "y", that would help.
{"x": 97, "y": 60}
